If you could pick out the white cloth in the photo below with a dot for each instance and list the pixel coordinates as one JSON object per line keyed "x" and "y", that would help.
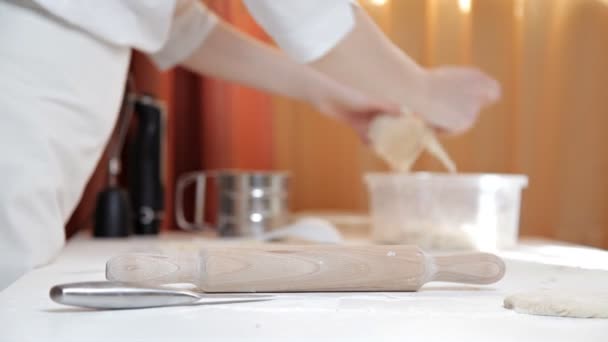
{"x": 305, "y": 29}
{"x": 63, "y": 65}
{"x": 59, "y": 97}
{"x": 146, "y": 25}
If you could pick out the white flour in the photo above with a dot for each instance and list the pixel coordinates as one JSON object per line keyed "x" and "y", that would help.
{"x": 425, "y": 235}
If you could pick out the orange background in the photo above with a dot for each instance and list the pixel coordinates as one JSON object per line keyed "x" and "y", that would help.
{"x": 550, "y": 56}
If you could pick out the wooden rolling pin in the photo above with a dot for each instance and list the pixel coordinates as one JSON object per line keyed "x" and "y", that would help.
{"x": 277, "y": 268}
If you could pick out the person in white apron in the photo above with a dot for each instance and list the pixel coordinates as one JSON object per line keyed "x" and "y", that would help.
{"x": 63, "y": 66}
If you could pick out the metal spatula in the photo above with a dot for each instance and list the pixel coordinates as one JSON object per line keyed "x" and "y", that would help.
{"x": 115, "y": 295}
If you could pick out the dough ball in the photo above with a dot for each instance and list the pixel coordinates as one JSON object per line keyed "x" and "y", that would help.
{"x": 400, "y": 140}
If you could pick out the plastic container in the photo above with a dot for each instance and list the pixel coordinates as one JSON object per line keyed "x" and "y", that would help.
{"x": 439, "y": 211}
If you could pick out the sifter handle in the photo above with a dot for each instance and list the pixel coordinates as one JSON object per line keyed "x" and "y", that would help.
{"x": 199, "y": 179}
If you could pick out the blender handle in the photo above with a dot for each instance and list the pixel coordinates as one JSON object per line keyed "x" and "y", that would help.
{"x": 183, "y": 182}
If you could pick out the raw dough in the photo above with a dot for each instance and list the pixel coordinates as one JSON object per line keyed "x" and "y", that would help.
{"x": 563, "y": 303}
{"x": 400, "y": 140}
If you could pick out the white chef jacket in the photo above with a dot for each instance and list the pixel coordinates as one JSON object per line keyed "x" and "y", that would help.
{"x": 63, "y": 65}
{"x": 305, "y": 29}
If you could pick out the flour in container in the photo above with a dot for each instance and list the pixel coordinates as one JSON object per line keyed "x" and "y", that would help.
{"x": 400, "y": 141}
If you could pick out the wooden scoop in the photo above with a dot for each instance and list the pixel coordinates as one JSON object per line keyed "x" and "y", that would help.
{"x": 277, "y": 268}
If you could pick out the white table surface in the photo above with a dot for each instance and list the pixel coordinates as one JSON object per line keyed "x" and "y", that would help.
{"x": 439, "y": 312}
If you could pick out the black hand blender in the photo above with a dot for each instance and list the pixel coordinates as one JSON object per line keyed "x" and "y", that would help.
{"x": 113, "y": 210}
{"x": 145, "y": 166}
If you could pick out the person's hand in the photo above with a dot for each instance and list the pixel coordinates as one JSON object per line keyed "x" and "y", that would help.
{"x": 352, "y": 107}
{"x": 454, "y": 96}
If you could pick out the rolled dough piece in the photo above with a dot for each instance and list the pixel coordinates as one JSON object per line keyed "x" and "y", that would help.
{"x": 400, "y": 140}
{"x": 562, "y": 303}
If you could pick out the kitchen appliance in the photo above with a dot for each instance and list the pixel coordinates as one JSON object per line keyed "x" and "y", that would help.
{"x": 145, "y": 162}
{"x": 118, "y": 212}
{"x": 310, "y": 268}
{"x": 113, "y": 209}
{"x": 249, "y": 202}
{"x": 446, "y": 211}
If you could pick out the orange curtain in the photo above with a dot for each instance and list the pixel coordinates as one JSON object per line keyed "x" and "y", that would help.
{"x": 237, "y": 121}
{"x": 210, "y": 124}
{"x": 551, "y": 58}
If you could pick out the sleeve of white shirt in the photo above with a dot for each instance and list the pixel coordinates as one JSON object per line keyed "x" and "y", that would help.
{"x": 305, "y": 29}
{"x": 188, "y": 31}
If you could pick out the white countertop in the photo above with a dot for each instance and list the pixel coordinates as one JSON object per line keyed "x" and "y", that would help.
{"x": 439, "y": 312}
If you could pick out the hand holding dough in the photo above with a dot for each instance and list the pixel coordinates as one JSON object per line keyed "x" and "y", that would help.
{"x": 400, "y": 140}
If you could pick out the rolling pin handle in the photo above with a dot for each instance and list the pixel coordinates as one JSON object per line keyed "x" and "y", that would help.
{"x": 471, "y": 268}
